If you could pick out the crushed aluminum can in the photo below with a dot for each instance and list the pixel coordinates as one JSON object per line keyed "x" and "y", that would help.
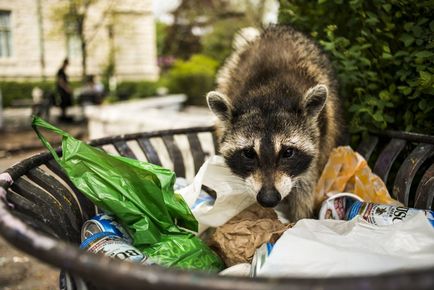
{"x": 103, "y": 223}
{"x": 336, "y": 206}
{"x": 261, "y": 255}
{"x": 113, "y": 246}
{"x": 381, "y": 215}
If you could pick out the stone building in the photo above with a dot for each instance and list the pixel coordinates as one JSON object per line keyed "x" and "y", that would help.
{"x": 33, "y": 43}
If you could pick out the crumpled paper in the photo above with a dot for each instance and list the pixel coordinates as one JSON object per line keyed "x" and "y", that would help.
{"x": 348, "y": 171}
{"x": 237, "y": 240}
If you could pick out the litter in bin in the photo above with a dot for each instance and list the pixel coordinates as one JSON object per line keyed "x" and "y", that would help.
{"x": 345, "y": 206}
{"x": 237, "y": 240}
{"x": 240, "y": 270}
{"x": 103, "y": 223}
{"x": 160, "y": 222}
{"x": 336, "y": 206}
{"x": 141, "y": 197}
{"x": 113, "y": 246}
{"x": 232, "y": 195}
{"x": 381, "y": 215}
{"x": 260, "y": 257}
{"x": 348, "y": 171}
{"x": 331, "y": 248}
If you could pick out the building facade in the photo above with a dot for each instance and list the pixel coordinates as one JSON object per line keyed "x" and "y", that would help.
{"x": 120, "y": 34}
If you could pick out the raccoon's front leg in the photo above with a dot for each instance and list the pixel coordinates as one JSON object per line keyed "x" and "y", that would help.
{"x": 299, "y": 203}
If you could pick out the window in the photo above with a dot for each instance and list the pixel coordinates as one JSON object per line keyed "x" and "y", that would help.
{"x": 73, "y": 41}
{"x": 5, "y": 34}
{"x": 74, "y": 46}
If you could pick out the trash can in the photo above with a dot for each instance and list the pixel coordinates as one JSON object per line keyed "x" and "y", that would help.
{"x": 41, "y": 212}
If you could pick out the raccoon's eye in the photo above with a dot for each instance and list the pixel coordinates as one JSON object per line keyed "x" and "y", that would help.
{"x": 288, "y": 153}
{"x": 249, "y": 153}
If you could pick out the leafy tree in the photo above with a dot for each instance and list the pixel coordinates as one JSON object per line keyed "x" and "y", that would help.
{"x": 194, "y": 77}
{"x": 383, "y": 53}
{"x": 72, "y": 16}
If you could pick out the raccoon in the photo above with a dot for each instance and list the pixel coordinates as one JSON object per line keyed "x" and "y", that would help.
{"x": 278, "y": 117}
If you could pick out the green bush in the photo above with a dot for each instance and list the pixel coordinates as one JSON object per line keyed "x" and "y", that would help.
{"x": 218, "y": 43}
{"x": 194, "y": 78}
{"x": 136, "y": 89}
{"x": 382, "y": 51}
{"x": 21, "y": 90}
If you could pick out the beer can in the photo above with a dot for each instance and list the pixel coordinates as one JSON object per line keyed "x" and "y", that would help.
{"x": 103, "y": 223}
{"x": 380, "y": 214}
{"x": 113, "y": 246}
{"x": 259, "y": 258}
{"x": 336, "y": 206}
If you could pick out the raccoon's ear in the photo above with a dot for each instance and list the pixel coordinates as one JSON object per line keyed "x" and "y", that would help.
{"x": 315, "y": 99}
{"x": 220, "y": 105}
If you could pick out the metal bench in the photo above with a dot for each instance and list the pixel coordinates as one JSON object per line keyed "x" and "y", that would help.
{"x": 42, "y": 212}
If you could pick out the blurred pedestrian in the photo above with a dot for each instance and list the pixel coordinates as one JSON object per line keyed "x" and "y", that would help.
{"x": 64, "y": 91}
{"x": 92, "y": 93}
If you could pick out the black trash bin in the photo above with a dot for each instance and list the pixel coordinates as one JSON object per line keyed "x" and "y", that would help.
{"x": 43, "y": 212}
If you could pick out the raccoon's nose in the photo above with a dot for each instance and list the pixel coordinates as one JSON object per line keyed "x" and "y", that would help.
{"x": 268, "y": 197}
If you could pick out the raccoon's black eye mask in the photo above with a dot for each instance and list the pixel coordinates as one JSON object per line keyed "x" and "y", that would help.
{"x": 287, "y": 152}
{"x": 290, "y": 160}
{"x": 243, "y": 161}
{"x": 294, "y": 161}
{"x": 249, "y": 153}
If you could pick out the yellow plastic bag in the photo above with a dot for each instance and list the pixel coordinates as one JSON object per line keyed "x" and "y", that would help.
{"x": 348, "y": 171}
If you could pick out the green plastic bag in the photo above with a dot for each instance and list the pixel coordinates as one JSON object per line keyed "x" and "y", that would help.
{"x": 141, "y": 196}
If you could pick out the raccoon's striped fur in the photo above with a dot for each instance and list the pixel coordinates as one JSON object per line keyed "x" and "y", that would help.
{"x": 279, "y": 118}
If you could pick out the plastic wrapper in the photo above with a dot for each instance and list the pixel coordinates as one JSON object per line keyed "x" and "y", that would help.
{"x": 141, "y": 196}
{"x": 335, "y": 248}
{"x": 240, "y": 270}
{"x": 232, "y": 194}
{"x": 237, "y": 240}
{"x": 348, "y": 171}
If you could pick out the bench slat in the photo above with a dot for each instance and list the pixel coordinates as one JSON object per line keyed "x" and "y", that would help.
{"x": 367, "y": 146}
{"x": 149, "y": 151}
{"x": 35, "y": 211}
{"x": 196, "y": 151}
{"x": 87, "y": 207}
{"x": 65, "y": 198}
{"x": 175, "y": 154}
{"x": 425, "y": 191}
{"x": 123, "y": 148}
{"x": 407, "y": 171}
{"x": 387, "y": 158}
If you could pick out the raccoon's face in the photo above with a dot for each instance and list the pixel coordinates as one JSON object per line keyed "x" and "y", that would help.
{"x": 272, "y": 145}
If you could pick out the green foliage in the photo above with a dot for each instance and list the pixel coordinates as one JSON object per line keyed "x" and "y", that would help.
{"x": 383, "y": 54}
{"x": 194, "y": 78}
{"x": 136, "y": 89}
{"x": 161, "y": 34}
{"x": 218, "y": 43}
{"x": 21, "y": 90}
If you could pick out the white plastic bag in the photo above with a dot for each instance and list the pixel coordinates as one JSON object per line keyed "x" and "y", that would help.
{"x": 240, "y": 270}
{"x": 326, "y": 248}
{"x": 233, "y": 196}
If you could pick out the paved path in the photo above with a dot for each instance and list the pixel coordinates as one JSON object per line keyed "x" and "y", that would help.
{"x": 17, "y": 269}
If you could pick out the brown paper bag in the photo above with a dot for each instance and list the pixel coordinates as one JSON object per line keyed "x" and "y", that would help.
{"x": 237, "y": 240}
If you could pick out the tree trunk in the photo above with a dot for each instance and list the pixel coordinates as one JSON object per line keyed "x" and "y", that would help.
{"x": 81, "y": 33}
{"x": 83, "y": 59}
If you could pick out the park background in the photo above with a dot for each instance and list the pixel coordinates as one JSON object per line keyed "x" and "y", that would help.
{"x": 382, "y": 52}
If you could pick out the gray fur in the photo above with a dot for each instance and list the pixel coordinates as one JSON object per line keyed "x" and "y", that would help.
{"x": 277, "y": 91}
